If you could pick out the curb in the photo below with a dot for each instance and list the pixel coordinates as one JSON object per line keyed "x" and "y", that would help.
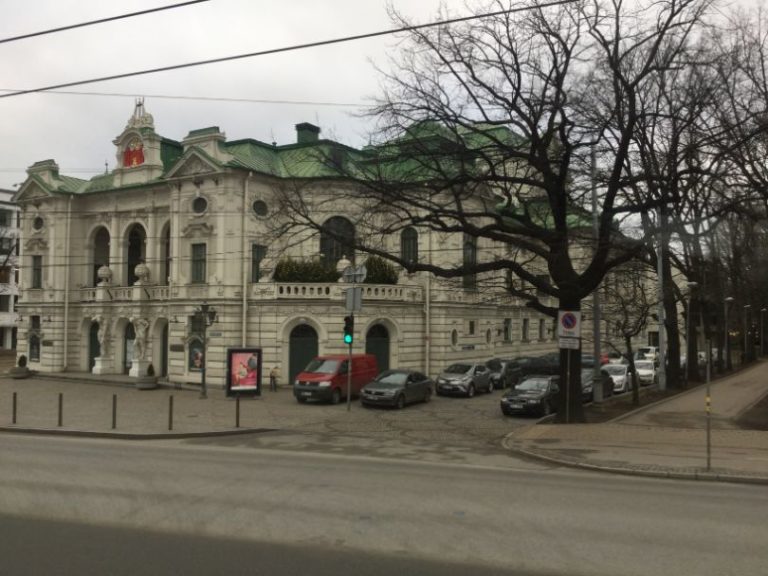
{"x": 669, "y": 474}
{"x": 132, "y": 435}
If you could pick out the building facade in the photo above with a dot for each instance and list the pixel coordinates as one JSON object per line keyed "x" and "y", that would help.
{"x": 9, "y": 273}
{"x": 115, "y": 269}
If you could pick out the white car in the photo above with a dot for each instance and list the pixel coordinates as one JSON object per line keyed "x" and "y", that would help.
{"x": 620, "y": 375}
{"x": 646, "y": 372}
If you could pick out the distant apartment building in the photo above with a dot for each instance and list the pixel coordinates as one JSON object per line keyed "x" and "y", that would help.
{"x": 9, "y": 273}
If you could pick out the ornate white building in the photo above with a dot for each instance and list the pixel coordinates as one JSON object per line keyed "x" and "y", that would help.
{"x": 114, "y": 268}
{"x": 9, "y": 251}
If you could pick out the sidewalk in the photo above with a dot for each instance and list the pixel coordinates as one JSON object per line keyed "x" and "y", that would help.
{"x": 667, "y": 439}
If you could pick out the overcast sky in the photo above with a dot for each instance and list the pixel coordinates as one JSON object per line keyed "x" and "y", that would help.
{"x": 77, "y": 130}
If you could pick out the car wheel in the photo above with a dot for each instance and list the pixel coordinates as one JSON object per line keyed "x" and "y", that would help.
{"x": 427, "y": 395}
{"x": 301, "y": 400}
{"x": 490, "y": 386}
{"x": 400, "y": 402}
{"x": 336, "y": 396}
{"x": 546, "y": 410}
{"x": 471, "y": 391}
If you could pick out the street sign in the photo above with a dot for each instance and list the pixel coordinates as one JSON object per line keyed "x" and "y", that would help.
{"x": 569, "y": 343}
{"x": 353, "y": 298}
{"x": 354, "y": 274}
{"x": 569, "y": 324}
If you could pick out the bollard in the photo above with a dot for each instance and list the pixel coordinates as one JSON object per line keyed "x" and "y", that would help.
{"x": 114, "y": 411}
{"x": 13, "y": 421}
{"x": 237, "y": 411}
{"x": 170, "y": 412}
{"x": 61, "y": 409}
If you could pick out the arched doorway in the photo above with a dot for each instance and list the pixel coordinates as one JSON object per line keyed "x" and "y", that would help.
{"x": 302, "y": 348}
{"x": 130, "y": 338}
{"x": 94, "y": 348}
{"x": 136, "y": 254}
{"x": 377, "y": 343}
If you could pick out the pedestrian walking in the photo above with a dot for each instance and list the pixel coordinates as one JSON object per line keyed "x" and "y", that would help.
{"x": 273, "y": 376}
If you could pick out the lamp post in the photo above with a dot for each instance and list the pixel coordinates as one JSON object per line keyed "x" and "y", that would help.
{"x": 762, "y": 330}
{"x": 728, "y": 364}
{"x": 746, "y": 331}
{"x": 205, "y": 316}
{"x": 688, "y": 346}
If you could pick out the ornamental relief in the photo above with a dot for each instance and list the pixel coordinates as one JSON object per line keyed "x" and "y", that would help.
{"x": 197, "y": 230}
{"x": 193, "y": 167}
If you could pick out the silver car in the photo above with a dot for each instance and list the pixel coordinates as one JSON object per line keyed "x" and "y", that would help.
{"x": 464, "y": 379}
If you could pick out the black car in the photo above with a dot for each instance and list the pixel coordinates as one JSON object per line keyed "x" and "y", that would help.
{"x": 587, "y": 384}
{"x": 397, "y": 388}
{"x": 504, "y": 373}
{"x": 534, "y": 395}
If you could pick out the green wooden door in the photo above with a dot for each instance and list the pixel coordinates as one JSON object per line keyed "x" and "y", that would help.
{"x": 377, "y": 343}
{"x": 302, "y": 348}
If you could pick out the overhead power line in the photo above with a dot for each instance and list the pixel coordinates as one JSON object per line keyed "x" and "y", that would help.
{"x": 291, "y": 48}
{"x": 203, "y": 98}
{"x": 100, "y": 21}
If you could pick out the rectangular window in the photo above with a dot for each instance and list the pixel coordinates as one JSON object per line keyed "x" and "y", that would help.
{"x": 5, "y": 218}
{"x": 507, "y": 329}
{"x": 5, "y": 303}
{"x": 5, "y": 275}
{"x": 542, "y": 329}
{"x": 471, "y": 327}
{"x": 526, "y": 330}
{"x": 37, "y": 271}
{"x": 198, "y": 263}
{"x": 258, "y": 253}
{"x": 7, "y": 245}
{"x": 34, "y": 322}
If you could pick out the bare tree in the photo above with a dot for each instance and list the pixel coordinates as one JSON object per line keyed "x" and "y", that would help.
{"x": 485, "y": 130}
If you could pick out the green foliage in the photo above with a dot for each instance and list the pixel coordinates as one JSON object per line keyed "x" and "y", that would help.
{"x": 380, "y": 271}
{"x": 288, "y": 270}
{"x": 22, "y": 361}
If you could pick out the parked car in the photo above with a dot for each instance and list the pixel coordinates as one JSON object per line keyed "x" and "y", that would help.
{"x": 617, "y": 358}
{"x": 548, "y": 364}
{"x": 587, "y": 384}
{"x": 397, "y": 388}
{"x": 647, "y": 353}
{"x": 588, "y": 360}
{"x": 621, "y": 377}
{"x": 534, "y": 395}
{"x": 505, "y": 373}
{"x": 325, "y": 377}
{"x": 464, "y": 379}
{"x": 646, "y": 372}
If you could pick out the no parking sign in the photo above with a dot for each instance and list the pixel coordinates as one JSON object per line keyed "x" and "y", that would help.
{"x": 569, "y": 324}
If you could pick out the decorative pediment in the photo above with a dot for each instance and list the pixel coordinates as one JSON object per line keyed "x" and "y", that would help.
{"x": 35, "y": 245}
{"x": 194, "y": 164}
{"x": 32, "y": 191}
{"x": 197, "y": 230}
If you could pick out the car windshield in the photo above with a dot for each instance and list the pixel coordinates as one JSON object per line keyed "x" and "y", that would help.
{"x": 615, "y": 369}
{"x": 391, "y": 378}
{"x": 322, "y": 366}
{"x": 644, "y": 365}
{"x": 458, "y": 369}
{"x": 532, "y": 385}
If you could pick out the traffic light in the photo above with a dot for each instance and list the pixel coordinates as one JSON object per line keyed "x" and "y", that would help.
{"x": 349, "y": 328}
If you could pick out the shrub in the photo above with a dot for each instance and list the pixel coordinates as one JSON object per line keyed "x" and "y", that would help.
{"x": 380, "y": 271}
{"x": 22, "y": 361}
{"x": 288, "y": 270}
{"x": 150, "y": 370}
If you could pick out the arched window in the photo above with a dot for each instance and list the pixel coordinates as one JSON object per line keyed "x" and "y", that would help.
{"x": 337, "y": 239}
{"x": 100, "y": 252}
{"x": 409, "y": 245}
{"x": 136, "y": 240}
{"x": 470, "y": 260}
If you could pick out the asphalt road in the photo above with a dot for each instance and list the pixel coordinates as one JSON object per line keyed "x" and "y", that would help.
{"x": 310, "y": 512}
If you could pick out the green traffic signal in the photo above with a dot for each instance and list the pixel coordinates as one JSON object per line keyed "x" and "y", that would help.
{"x": 349, "y": 328}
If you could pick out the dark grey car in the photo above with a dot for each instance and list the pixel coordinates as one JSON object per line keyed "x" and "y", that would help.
{"x": 465, "y": 379}
{"x": 397, "y": 388}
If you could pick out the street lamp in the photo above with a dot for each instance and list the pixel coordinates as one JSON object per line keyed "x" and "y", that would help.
{"x": 728, "y": 364}
{"x": 762, "y": 330}
{"x": 205, "y": 316}
{"x": 746, "y": 331}
{"x": 688, "y": 346}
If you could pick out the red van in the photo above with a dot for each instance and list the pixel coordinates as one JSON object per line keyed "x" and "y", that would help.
{"x": 325, "y": 377}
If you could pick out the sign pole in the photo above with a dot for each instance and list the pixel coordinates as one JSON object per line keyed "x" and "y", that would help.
{"x": 349, "y": 372}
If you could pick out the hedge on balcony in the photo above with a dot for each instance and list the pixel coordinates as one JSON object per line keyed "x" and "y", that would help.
{"x": 288, "y": 270}
{"x": 380, "y": 271}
